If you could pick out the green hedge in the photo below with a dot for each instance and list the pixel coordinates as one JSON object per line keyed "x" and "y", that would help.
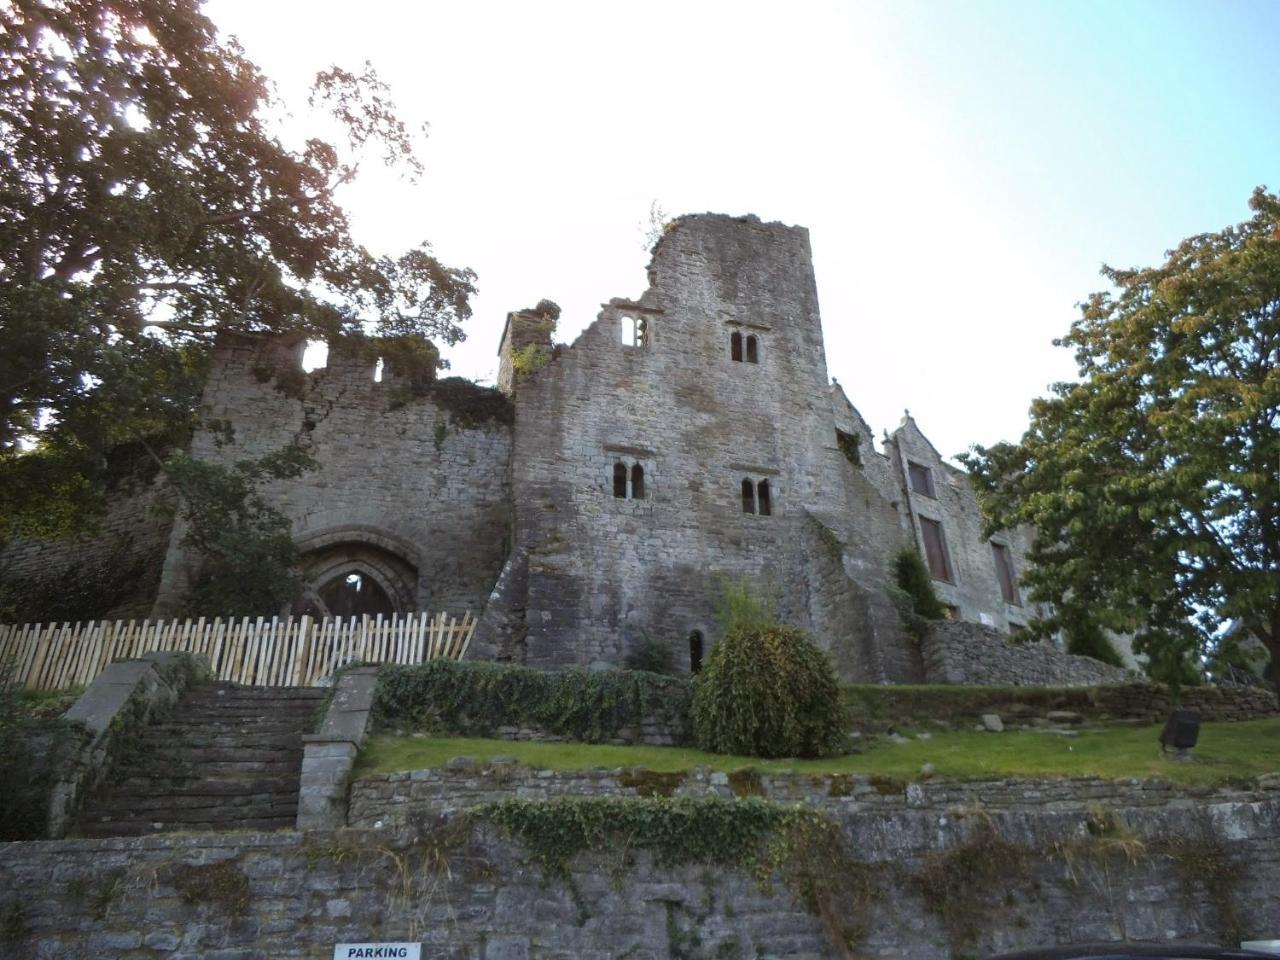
{"x": 474, "y": 699}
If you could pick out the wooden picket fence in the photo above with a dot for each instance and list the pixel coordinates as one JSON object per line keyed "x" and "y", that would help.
{"x": 265, "y": 652}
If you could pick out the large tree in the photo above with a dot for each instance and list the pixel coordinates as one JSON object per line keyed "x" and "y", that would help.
{"x": 147, "y": 206}
{"x": 1153, "y": 482}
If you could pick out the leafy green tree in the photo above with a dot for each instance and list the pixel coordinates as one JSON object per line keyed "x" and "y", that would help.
{"x": 1154, "y": 481}
{"x": 147, "y": 207}
{"x": 247, "y": 557}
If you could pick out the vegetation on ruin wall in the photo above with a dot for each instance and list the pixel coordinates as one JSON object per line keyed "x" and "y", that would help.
{"x": 914, "y": 581}
{"x": 803, "y": 848}
{"x": 478, "y": 698}
{"x": 1227, "y": 753}
{"x": 983, "y": 881}
{"x": 529, "y": 359}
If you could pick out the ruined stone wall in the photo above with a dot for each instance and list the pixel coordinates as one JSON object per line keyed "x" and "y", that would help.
{"x": 1201, "y": 870}
{"x": 605, "y": 572}
{"x": 959, "y": 652}
{"x": 413, "y": 491}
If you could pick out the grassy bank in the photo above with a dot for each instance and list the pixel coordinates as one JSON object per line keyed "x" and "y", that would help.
{"x": 1227, "y": 751}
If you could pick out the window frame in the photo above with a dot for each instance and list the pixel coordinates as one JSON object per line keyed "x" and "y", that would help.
{"x": 924, "y": 471}
{"x": 1005, "y": 573}
{"x": 944, "y": 555}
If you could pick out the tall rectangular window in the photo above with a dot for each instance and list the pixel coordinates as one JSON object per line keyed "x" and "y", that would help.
{"x": 921, "y": 479}
{"x": 1004, "y": 570}
{"x": 935, "y": 549}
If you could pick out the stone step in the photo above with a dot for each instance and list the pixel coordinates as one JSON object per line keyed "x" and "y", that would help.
{"x": 175, "y": 787}
{"x": 200, "y": 713}
{"x": 245, "y": 752}
{"x": 208, "y": 807}
{"x": 169, "y": 729}
{"x": 141, "y": 827}
{"x": 203, "y": 738}
{"x": 217, "y": 769}
{"x": 225, "y": 758}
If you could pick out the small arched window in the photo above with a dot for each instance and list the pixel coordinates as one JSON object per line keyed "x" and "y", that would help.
{"x": 620, "y": 480}
{"x": 695, "y": 651}
{"x": 753, "y": 355}
{"x": 762, "y": 494}
{"x": 637, "y": 482}
{"x": 635, "y": 331}
{"x": 748, "y": 496}
{"x": 735, "y": 346}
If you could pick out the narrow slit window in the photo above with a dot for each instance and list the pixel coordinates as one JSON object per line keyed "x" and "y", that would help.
{"x": 735, "y": 346}
{"x": 762, "y": 494}
{"x": 748, "y": 496}
{"x": 637, "y": 482}
{"x": 695, "y": 651}
{"x": 620, "y": 480}
{"x": 753, "y": 354}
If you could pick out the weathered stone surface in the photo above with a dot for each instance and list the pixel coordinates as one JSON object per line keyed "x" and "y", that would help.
{"x": 958, "y": 652}
{"x": 395, "y": 799}
{"x": 329, "y": 755}
{"x": 992, "y": 723}
{"x": 481, "y": 897}
{"x": 412, "y": 492}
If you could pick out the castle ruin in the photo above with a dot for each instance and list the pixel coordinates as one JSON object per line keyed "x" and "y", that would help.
{"x": 595, "y": 500}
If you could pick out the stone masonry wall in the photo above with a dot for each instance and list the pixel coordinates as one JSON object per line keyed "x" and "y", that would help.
{"x": 391, "y": 800}
{"x": 604, "y": 573}
{"x": 412, "y": 491}
{"x": 470, "y": 892}
{"x": 958, "y": 652}
{"x": 974, "y": 586}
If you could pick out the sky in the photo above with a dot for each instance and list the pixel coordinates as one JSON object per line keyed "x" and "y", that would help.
{"x": 964, "y": 167}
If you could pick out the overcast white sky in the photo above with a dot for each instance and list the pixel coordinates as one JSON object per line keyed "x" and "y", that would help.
{"x": 963, "y": 167}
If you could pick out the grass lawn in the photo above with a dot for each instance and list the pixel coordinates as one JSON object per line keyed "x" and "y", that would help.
{"x": 45, "y": 704}
{"x": 1226, "y": 751}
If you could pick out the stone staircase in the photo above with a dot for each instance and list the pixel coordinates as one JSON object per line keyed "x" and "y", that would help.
{"x": 227, "y": 757}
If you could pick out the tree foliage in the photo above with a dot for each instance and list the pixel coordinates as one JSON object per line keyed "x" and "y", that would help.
{"x": 246, "y": 555}
{"x": 147, "y": 206}
{"x": 1154, "y": 481}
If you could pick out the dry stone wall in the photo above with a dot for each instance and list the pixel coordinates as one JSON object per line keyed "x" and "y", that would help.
{"x": 958, "y": 652}
{"x": 473, "y": 892}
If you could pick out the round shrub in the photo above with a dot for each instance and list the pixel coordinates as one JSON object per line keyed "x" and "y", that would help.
{"x": 768, "y": 691}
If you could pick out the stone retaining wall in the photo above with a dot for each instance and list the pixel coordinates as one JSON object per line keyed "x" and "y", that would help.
{"x": 467, "y": 891}
{"x": 392, "y": 800}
